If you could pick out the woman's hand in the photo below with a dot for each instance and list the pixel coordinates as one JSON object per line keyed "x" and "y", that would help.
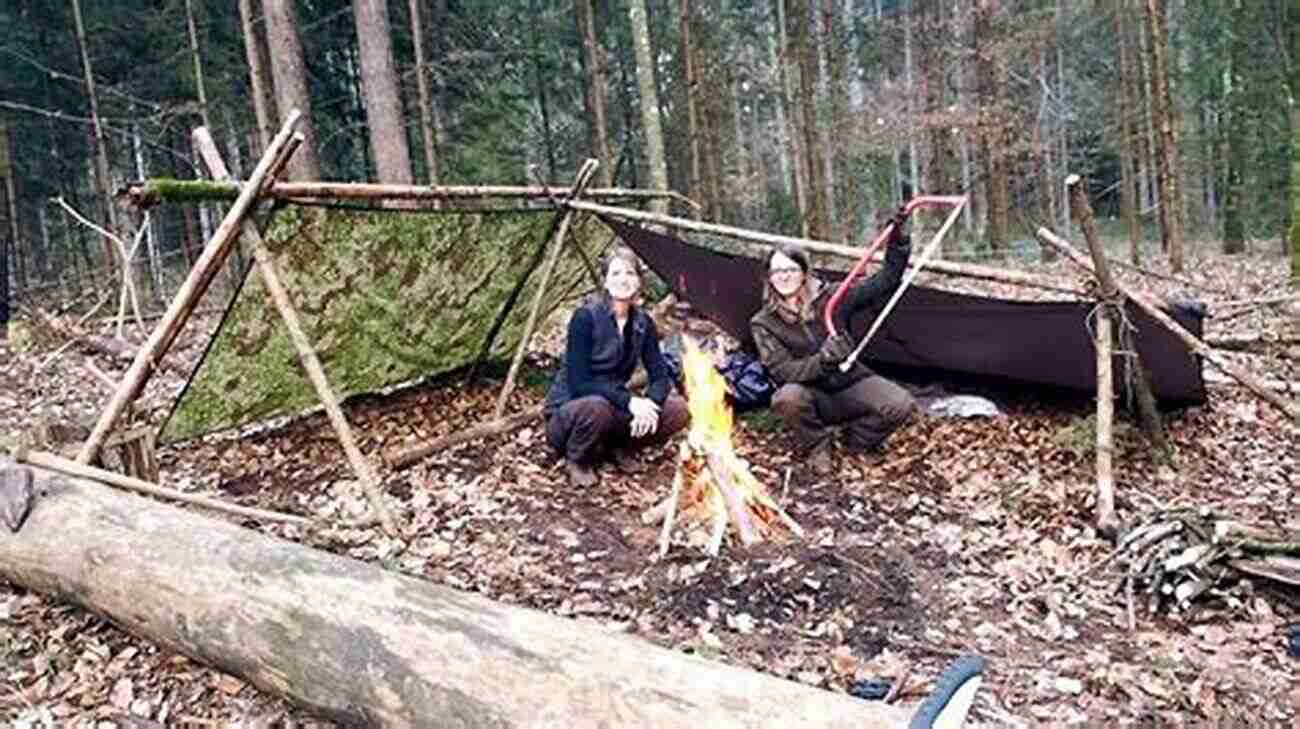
{"x": 645, "y": 416}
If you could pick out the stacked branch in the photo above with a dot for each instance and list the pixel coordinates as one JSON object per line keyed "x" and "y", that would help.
{"x": 1173, "y": 557}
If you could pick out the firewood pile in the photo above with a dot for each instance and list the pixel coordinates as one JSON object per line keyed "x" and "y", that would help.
{"x": 1175, "y": 557}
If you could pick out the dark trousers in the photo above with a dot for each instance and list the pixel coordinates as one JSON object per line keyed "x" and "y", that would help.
{"x": 584, "y": 429}
{"x": 869, "y": 410}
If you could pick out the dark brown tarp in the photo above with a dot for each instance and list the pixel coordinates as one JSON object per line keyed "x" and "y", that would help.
{"x": 1038, "y": 343}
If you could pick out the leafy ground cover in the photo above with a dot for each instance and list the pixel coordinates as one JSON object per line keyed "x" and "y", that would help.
{"x": 968, "y": 536}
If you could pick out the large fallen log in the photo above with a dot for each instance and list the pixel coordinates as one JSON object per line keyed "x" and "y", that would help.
{"x": 364, "y": 646}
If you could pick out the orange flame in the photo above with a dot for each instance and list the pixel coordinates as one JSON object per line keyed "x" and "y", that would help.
{"x": 706, "y": 394}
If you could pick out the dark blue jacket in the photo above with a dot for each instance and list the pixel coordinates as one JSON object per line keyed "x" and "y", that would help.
{"x": 598, "y": 362}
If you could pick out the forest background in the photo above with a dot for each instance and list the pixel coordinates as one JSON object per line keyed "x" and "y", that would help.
{"x": 801, "y": 117}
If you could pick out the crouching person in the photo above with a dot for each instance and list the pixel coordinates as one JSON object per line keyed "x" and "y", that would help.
{"x": 793, "y": 344}
{"x": 590, "y": 413}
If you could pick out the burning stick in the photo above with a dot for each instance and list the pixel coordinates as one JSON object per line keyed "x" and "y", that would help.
{"x": 712, "y": 484}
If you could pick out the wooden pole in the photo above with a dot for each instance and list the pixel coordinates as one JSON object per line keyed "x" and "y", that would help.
{"x": 557, "y": 246}
{"x": 182, "y": 305}
{"x": 154, "y": 191}
{"x": 407, "y": 456}
{"x": 364, "y": 646}
{"x": 72, "y": 468}
{"x": 275, "y": 288}
{"x": 949, "y": 268}
{"x": 1195, "y": 345}
{"x": 1107, "y": 523}
{"x": 1146, "y": 401}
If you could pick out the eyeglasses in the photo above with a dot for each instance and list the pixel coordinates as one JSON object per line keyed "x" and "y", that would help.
{"x": 785, "y": 271}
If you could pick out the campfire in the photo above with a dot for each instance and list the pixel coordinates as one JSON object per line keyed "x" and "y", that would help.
{"x": 713, "y": 487}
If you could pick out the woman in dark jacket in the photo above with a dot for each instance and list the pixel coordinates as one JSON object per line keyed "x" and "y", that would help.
{"x": 794, "y": 345}
{"x": 589, "y": 410}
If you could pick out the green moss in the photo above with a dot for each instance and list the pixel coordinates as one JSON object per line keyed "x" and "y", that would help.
{"x": 384, "y": 297}
{"x": 164, "y": 189}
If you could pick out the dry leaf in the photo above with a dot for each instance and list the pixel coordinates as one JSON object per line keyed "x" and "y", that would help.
{"x": 843, "y": 662}
{"x": 228, "y": 684}
{"x": 123, "y": 694}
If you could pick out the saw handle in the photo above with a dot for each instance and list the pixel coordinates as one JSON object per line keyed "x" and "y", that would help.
{"x": 860, "y": 266}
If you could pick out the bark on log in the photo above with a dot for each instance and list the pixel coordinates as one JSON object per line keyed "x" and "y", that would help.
{"x": 367, "y": 647}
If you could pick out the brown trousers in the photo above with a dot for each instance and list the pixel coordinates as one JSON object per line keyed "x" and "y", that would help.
{"x": 584, "y": 429}
{"x": 869, "y": 410}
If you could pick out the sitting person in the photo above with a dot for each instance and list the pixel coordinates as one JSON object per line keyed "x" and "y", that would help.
{"x": 589, "y": 411}
{"x": 793, "y": 343}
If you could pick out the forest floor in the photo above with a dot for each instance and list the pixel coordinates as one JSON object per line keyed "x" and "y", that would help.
{"x": 971, "y": 535}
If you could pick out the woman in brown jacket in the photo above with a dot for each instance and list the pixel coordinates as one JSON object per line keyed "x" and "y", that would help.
{"x": 793, "y": 344}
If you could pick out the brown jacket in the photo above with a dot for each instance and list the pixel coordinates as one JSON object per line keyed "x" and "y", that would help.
{"x": 790, "y": 345}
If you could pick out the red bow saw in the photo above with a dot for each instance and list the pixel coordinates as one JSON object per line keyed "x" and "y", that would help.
{"x": 957, "y": 202}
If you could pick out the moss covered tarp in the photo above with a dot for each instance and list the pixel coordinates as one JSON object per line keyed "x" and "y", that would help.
{"x": 384, "y": 297}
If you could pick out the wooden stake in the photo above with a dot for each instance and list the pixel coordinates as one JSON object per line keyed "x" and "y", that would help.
{"x": 949, "y": 268}
{"x": 1082, "y": 210}
{"x": 1107, "y": 523}
{"x": 306, "y": 354}
{"x": 1291, "y": 409}
{"x": 557, "y": 246}
{"x": 53, "y": 462}
{"x": 182, "y": 305}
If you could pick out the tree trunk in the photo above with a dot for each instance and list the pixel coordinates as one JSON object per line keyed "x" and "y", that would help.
{"x": 428, "y": 134}
{"x": 1234, "y": 228}
{"x": 645, "y": 81}
{"x": 388, "y": 145}
{"x": 197, "y": 59}
{"x": 991, "y": 127}
{"x": 596, "y": 76}
{"x": 365, "y": 646}
{"x": 290, "y": 77}
{"x": 803, "y": 50}
{"x": 1163, "y": 118}
{"x": 787, "y": 147}
{"x": 1293, "y": 28}
{"x": 8, "y": 223}
{"x": 909, "y": 78}
{"x": 839, "y": 196}
{"x": 540, "y": 75}
{"x": 934, "y": 67}
{"x": 255, "y": 54}
{"x": 103, "y": 180}
{"x": 1125, "y": 129}
{"x": 691, "y": 88}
